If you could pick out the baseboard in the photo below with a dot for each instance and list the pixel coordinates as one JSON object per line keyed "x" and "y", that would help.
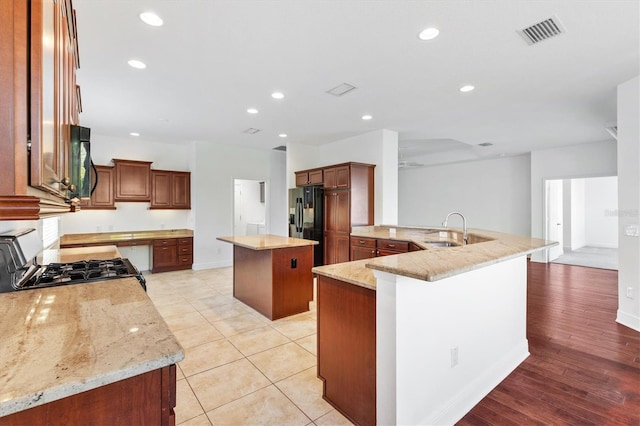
{"x": 212, "y": 265}
{"x": 477, "y": 389}
{"x": 628, "y": 320}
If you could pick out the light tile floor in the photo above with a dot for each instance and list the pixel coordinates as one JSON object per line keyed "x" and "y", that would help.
{"x": 240, "y": 368}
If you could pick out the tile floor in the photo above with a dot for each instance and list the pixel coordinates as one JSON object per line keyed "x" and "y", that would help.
{"x": 240, "y": 368}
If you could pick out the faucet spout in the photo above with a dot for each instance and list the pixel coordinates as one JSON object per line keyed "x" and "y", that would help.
{"x": 464, "y": 226}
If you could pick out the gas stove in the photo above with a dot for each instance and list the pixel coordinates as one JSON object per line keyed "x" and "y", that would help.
{"x": 20, "y": 271}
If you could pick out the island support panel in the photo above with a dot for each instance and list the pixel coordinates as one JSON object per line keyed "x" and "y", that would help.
{"x": 277, "y": 282}
{"x": 347, "y": 348}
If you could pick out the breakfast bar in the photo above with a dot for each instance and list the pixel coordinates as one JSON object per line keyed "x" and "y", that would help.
{"x": 427, "y": 333}
{"x": 272, "y": 274}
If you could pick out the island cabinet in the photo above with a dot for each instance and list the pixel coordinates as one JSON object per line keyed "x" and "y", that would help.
{"x": 133, "y": 180}
{"x": 145, "y": 399}
{"x": 349, "y": 204}
{"x": 40, "y": 99}
{"x": 103, "y": 195}
{"x": 347, "y": 348}
{"x": 172, "y": 254}
{"x": 170, "y": 189}
{"x": 309, "y": 177}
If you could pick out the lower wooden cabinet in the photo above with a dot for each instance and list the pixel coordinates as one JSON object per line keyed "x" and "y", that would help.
{"x": 146, "y": 399}
{"x": 363, "y": 248}
{"x": 366, "y": 248}
{"x": 172, "y": 254}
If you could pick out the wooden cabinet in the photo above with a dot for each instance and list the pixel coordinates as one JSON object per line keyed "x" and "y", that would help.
{"x": 389, "y": 247}
{"x": 347, "y": 348}
{"x": 149, "y": 398}
{"x": 103, "y": 196}
{"x": 309, "y": 177}
{"x": 133, "y": 180}
{"x": 362, "y": 248}
{"x": 170, "y": 189}
{"x": 344, "y": 208}
{"x": 337, "y": 177}
{"x": 38, "y": 62}
{"x": 172, "y": 254}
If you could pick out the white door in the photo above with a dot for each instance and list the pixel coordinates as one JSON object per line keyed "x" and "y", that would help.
{"x": 239, "y": 223}
{"x": 553, "y": 189}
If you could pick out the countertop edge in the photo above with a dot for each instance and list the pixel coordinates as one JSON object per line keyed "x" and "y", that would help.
{"x": 273, "y": 246}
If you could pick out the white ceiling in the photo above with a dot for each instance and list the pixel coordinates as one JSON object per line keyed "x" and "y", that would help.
{"x": 214, "y": 59}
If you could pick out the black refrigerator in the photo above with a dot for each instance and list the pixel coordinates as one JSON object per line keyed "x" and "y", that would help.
{"x": 306, "y": 211}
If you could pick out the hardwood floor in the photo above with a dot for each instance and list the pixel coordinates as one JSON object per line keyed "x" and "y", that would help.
{"x": 584, "y": 368}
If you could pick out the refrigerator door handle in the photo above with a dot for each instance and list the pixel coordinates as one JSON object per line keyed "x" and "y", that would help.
{"x": 299, "y": 208}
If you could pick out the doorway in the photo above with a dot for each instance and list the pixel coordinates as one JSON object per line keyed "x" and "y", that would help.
{"x": 249, "y": 207}
{"x": 586, "y": 209}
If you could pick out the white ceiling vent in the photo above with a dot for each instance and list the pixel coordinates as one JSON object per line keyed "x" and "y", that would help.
{"x": 341, "y": 89}
{"x": 543, "y": 30}
{"x": 612, "y": 128}
{"x": 485, "y": 144}
{"x": 251, "y": 131}
{"x": 409, "y": 164}
{"x": 280, "y": 148}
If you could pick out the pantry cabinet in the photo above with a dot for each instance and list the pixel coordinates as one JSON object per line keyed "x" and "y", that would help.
{"x": 40, "y": 99}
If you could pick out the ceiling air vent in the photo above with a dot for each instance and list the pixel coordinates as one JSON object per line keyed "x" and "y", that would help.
{"x": 612, "y": 128}
{"x": 280, "y": 148}
{"x": 541, "y": 31}
{"x": 341, "y": 89}
{"x": 251, "y": 131}
{"x": 485, "y": 144}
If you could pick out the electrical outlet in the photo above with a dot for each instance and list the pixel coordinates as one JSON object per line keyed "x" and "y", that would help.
{"x": 454, "y": 357}
{"x": 98, "y": 228}
{"x": 630, "y": 292}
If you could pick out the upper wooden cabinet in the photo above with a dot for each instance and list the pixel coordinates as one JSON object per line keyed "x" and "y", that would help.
{"x": 170, "y": 189}
{"x": 103, "y": 195}
{"x": 337, "y": 177}
{"x": 309, "y": 177}
{"x": 38, "y": 62}
{"x": 133, "y": 180}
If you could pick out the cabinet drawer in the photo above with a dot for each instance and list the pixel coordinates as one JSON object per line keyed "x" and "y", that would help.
{"x": 166, "y": 242}
{"x": 399, "y": 246}
{"x": 133, "y": 243}
{"x": 363, "y": 242}
{"x": 185, "y": 241}
{"x": 184, "y": 249}
{"x": 185, "y": 259}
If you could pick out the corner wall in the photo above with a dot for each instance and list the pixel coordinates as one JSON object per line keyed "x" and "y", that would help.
{"x": 629, "y": 204}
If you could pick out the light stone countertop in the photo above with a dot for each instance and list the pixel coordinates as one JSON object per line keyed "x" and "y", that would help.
{"x": 60, "y": 341}
{"x": 432, "y": 263}
{"x": 266, "y": 242}
{"x": 114, "y": 237}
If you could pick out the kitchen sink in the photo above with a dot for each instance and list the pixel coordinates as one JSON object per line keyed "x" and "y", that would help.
{"x": 441, "y": 244}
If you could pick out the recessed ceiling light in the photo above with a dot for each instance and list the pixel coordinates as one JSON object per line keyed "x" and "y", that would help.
{"x": 252, "y": 111}
{"x": 152, "y": 19}
{"x": 277, "y": 95}
{"x": 134, "y": 134}
{"x": 467, "y": 88}
{"x": 137, "y": 64}
{"x": 283, "y": 135}
{"x": 367, "y": 117}
{"x": 428, "y": 34}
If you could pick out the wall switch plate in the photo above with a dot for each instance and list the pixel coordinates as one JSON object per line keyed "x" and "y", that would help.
{"x": 454, "y": 357}
{"x": 630, "y": 292}
{"x": 632, "y": 230}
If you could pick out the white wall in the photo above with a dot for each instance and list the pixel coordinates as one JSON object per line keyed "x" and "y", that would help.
{"x": 132, "y": 216}
{"x": 217, "y": 166}
{"x": 629, "y": 203}
{"x": 578, "y": 220}
{"x": 584, "y": 160}
{"x": 379, "y": 147}
{"x": 600, "y": 201}
{"x": 492, "y": 194}
{"x": 276, "y": 194}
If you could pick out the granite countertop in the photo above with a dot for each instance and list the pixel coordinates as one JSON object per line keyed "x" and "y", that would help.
{"x": 432, "y": 263}
{"x": 112, "y": 237}
{"x": 60, "y": 341}
{"x": 67, "y": 255}
{"x": 266, "y": 242}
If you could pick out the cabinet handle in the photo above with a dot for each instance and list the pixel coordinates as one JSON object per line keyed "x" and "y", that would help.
{"x": 361, "y": 242}
{"x": 392, "y": 245}
{"x": 165, "y": 248}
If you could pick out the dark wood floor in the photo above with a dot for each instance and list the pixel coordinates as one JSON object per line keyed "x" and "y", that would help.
{"x": 584, "y": 368}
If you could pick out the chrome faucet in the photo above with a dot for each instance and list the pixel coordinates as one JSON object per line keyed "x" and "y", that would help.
{"x": 464, "y": 226}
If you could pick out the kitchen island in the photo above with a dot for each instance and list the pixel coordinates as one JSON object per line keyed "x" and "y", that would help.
{"x": 428, "y": 333}
{"x": 272, "y": 274}
{"x": 91, "y": 353}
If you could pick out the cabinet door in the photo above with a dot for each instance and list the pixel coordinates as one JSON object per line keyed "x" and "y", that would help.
{"x": 133, "y": 181}
{"x": 337, "y": 208}
{"x": 329, "y": 177}
{"x": 342, "y": 177}
{"x": 165, "y": 254}
{"x": 316, "y": 177}
{"x": 102, "y": 197}
{"x": 302, "y": 178}
{"x": 160, "y": 189}
{"x": 181, "y": 190}
{"x": 362, "y": 248}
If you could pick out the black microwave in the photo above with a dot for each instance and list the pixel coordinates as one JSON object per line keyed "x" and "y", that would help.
{"x": 80, "y": 164}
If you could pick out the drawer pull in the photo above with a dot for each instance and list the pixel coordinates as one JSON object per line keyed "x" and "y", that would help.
{"x": 392, "y": 245}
